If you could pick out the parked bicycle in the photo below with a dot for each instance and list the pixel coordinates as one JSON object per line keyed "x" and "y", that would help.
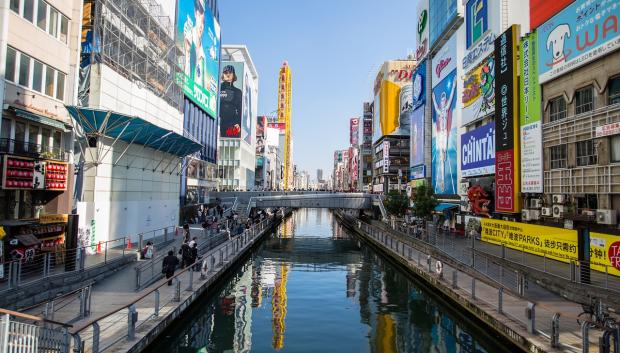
{"x": 597, "y": 315}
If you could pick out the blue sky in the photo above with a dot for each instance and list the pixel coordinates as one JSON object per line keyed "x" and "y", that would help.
{"x": 334, "y": 48}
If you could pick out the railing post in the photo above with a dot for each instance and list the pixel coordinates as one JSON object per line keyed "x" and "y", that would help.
{"x": 428, "y": 262}
{"x": 82, "y": 303}
{"x": 455, "y": 274}
{"x": 140, "y": 241}
{"x": 573, "y": 272}
{"x": 156, "y": 313}
{"x": 190, "y": 287}
{"x": 177, "y": 291}
{"x": 520, "y": 283}
{"x": 165, "y": 234}
{"x": 555, "y": 330}
{"x": 585, "y": 340}
{"x": 78, "y": 345}
{"x": 96, "y": 333}
{"x": 105, "y": 253}
{"x": 500, "y": 300}
{"x": 137, "y": 278}
{"x": 132, "y": 318}
{"x": 530, "y": 316}
{"x": 473, "y": 288}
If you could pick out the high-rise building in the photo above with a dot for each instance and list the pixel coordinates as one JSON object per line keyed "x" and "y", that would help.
{"x": 319, "y": 175}
{"x": 238, "y": 106}
{"x": 284, "y": 116}
{"x": 365, "y": 149}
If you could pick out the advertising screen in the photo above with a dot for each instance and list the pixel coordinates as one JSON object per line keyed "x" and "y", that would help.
{"x": 416, "y": 154}
{"x": 198, "y": 38}
{"x": 442, "y": 12}
{"x": 354, "y": 124}
{"x": 422, "y": 30}
{"x": 231, "y": 99}
{"x": 542, "y": 10}
{"x": 584, "y": 31}
{"x": 478, "y": 151}
{"x": 478, "y": 97}
{"x": 444, "y": 136}
{"x": 530, "y": 117}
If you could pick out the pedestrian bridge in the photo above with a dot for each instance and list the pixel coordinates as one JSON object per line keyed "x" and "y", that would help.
{"x": 314, "y": 200}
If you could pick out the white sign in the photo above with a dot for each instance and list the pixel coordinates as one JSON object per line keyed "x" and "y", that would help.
{"x": 422, "y": 30}
{"x": 444, "y": 62}
{"x": 531, "y": 158}
{"x": 607, "y": 130}
{"x": 386, "y": 156}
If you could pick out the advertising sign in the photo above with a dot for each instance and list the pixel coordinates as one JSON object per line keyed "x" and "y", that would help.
{"x": 416, "y": 145}
{"x": 607, "y": 130}
{"x": 198, "y": 38}
{"x": 542, "y": 10}
{"x": 393, "y": 98}
{"x": 386, "y": 156}
{"x": 478, "y": 151}
{"x": 443, "y": 12}
{"x": 605, "y": 253}
{"x": 507, "y": 165}
{"x": 418, "y": 172}
{"x": 279, "y": 126}
{"x": 479, "y": 92}
{"x": 354, "y": 124}
{"x": 444, "y": 62}
{"x": 419, "y": 85}
{"x": 261, "y": 125}
{"x": 422, "y": 30}
{"x": 477, "y": 20}
{"x": 444, "y": 136}
{"x": 231, "y": 99}
{"x": 584, "y": 31}
{"x": 248, "y": 109}
{"x": 530, "y": 117}
{"x": 554, "y": 243}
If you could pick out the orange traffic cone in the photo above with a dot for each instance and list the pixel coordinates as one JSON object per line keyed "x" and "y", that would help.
{"x": 99, "y": 248}
{"x": 128, "y": 243}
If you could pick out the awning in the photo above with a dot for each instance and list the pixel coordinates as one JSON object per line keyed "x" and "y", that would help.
{"x": 132, "y": 130}
{"x": 445, "y": 206}
{"x": 28, "y": 239}
{"x": 37, "y": 118}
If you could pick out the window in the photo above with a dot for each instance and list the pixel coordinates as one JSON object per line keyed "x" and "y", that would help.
{"x": 53, "y": 29}
{"x": 64, "y": 29}
{"x": 33, "y": 134}
{"x": 20, "y": 131}
{"x": 45, "y": 138}
{"x": 10, "y": 64}
{"x": 24, "y": 70}
{"x": 558, "y": 156}
{"x": 5, "y": 129}
{"x": 60, "y": 86}
{"x": 590, "y": 201}
{"x": 57, "y": 140}
{"x": 49, "y": 81}
{"x": 15, "y": 6}
{"x": 42, "y": 15}
{"x": 615, "y": 149}
{"x": 586, "y": 153}
{"x": 614, "y": 90}
{"x": 29, "y": 10}
{"x": 584, "y": 100}
{"x": 557, "y": 109}
{"x": 37, "y": 76}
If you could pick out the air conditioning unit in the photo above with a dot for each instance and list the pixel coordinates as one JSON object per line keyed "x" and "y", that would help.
{"x": 536, "y": 203}
{"x": 530, "y": 215}
{"x": 525, "y": 215}
{"x": 546, "y": 212}
{"x": 558, "y": 211}
{"x": 591, "y": 213}
{"x": 558, "y": 199}
{"x": 606, "y": 216}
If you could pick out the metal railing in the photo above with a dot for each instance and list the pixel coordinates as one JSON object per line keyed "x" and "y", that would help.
{"x": 35, "y": 150}
{"x": 22, "y": 333}
{"x": 562, "y": 330}
{"x": 103, "y": 332}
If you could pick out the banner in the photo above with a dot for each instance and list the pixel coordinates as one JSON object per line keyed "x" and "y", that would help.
{"x": 198, "y": 38}
{"x": 507, "y": 165}
{"x": 530, "y": 118}
{"x": 231, "y": 99}
{"x": 555, "y": 243}
{"x": 416, "y": 139}
{"x": 584, "y": 31}
{"x": 444, "y": 145}
{"x": 354, "y": 124}
{"x": 478, "y": 151}
{"x": 478, "y": 97}
{"x": 605, "y": 253}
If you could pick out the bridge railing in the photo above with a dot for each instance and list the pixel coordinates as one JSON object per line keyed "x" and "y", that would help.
{"x": 22, "y": 333}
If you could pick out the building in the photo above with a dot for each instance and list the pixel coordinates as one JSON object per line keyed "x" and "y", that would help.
{"x": 285, "y": 89}
{"x": 238, "y": 106}
{"x": 130, "y": 118}
{"x": 319, "y": 175}
{"x": 260, "y": 171}
{"x": 365, "y": 149}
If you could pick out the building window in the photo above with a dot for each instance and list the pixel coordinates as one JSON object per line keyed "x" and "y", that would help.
{"x": 60, "y": 86}
{"x": 590, "y": 201}
{"x": 584, "y": 100}
{"x": 15, "y": 6}
{"x": 557, "y": 109}
{"x": 558, "y": 156}
{"x": 30, "y": 74}
{"x": 614, "y": 90}
{"x": 28, "y": 10}
{"x": 46, "y": 18}
{"x": 24, "y": 70}
{"x": 615, "y": 149}
{"x": 37, "y": 77}
{"x": 586, "y": 153}
{"x": 49, "y": 81}
{"x": 42, "y": 15}
{"x": 11, "y": 56}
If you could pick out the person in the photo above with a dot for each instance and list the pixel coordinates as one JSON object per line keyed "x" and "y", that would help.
{"x": 147, "y": 252}
{"x": 186, "y": 257}
{"x": 186, "y": 233}
{"x": 193, "y": 241}
{"x": 194, "y": 256}
{"x": 231, "y": 102}
{"x": 169, "y": 265}
{"x": 443, "y": 124}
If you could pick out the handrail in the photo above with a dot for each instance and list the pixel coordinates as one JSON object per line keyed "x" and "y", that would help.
{"x": 32, "y": 317}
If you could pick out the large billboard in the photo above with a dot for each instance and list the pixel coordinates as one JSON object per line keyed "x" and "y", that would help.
{"x": 354, "y": 124}
{"x": 248, "y": 109}
{"x": 261, "y": 125}
{"x": 444, "y": 62}
{"x": 478, "y": 98}
{"x": 542, "y": 10}
{"x": 507, "y": 154}
{"x": 393, "y": 98}
{"x": 419, "y": 85}
{"x": 422, "y": 30}
{"x": 584, "y": 31}
{"x": 478, "y": 151}
{"x": 444, "y": 144}
{"x": 416, "y": 145}
{"x": 530, "y": 117}
{"x": 232, "y": 99}
{"x": 442, "y": 13}
{"x": 198, "y": 38}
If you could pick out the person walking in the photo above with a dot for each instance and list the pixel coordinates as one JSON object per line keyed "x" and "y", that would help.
{"x": 193, "y": 253}
{"x": 185, "y": 253}
{"x": 169, "y": 265}
{"x": 186, "y": 233}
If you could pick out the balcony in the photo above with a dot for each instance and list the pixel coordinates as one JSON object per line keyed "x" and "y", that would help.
{"x": 579, "y": 127}
{"x": 583, "y": 180}
{"x": 32, "y": 150}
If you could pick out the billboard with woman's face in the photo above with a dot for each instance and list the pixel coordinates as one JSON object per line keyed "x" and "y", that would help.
{"x": 231, "y": 99}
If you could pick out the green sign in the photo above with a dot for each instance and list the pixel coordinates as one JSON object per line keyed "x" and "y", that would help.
{"x": 530, "y": 87}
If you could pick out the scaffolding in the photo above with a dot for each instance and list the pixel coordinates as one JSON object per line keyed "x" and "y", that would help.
{"x": 136, "y": 39}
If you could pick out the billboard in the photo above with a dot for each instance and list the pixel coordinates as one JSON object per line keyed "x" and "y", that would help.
{"x": 393, "y": 98}
{"x": 444, "y": 61}
{"x": 478, "y": 151}
{"x": 386, "y": 156}
{"x": 419, "y": 85}
{"x": 354, "y": 124}
{"x": 416, "y": 145}
{"x": 476, "y": 20}
{"x": 584, "y": 31}
{"x": 422, "y": 30}
{"x": 478, "y": 98}
{"x": 231, "y": 99}
{"x": 248, "y": 108}
{"x": 530, "y": 117}
{"x": 261, "y": 125}
{"x": 542, "y": 10}
{"x": 198, "y": 38}
{"x": 443, "y": 147}
{"x": 507, "y": 155}
{"x": 443, "y": 12}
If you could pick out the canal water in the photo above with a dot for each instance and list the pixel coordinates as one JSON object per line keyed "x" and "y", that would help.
{"x": 313, "y": 287}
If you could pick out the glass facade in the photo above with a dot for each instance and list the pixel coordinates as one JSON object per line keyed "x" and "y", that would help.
{"x": 442, "y": 12}
{"x": 203, "y": 128}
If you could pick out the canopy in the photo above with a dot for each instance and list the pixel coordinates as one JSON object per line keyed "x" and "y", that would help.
{"x": 132, "y": 130}
{"x": 445, "y": 206}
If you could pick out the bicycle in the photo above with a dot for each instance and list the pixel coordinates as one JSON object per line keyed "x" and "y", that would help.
{"x": 597, "y": 315}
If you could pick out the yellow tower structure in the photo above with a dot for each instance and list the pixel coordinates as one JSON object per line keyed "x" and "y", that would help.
{"x": 284, "y": 116}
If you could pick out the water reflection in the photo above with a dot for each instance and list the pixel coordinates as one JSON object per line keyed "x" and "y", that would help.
{"x": 312, "y": 287}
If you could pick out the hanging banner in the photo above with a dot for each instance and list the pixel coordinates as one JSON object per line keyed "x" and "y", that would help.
{"x": 507, "y": 165}
{"x": 530, "y": 117}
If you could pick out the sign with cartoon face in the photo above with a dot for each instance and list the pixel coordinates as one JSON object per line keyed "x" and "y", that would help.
{"x": 582, "y": 32}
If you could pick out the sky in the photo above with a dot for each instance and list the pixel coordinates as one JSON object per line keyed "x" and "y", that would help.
{"x": 334, "y": 49}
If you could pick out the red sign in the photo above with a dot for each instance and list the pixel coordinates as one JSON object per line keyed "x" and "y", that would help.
{"x": 279, "y": 126}
{"x": 505, "y": 181}
{"x": 542, "y": 10}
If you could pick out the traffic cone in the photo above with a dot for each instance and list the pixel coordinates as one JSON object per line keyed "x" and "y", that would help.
{"x": 128, "y": 244}
{"x": 99, "y": 248}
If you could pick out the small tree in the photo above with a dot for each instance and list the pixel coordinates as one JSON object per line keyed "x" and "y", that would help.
{"x": 396, "y": 203}
{"x": 424, "y": 202}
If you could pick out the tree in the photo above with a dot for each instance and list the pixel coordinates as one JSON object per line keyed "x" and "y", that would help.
{"x": 424, "y": 202}
{"x": 396, "y": 203}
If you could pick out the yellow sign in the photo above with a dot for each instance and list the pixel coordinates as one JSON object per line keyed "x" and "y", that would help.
{"x": 2, "y": 234}
{"x": 605, "y": 253}
{"x": 54, "y": 218}
{"x": 556, "y": 243}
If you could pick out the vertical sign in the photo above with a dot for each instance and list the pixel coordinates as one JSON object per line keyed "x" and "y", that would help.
{"x": 531, "y": 129}
{"x": 353, "y": 131}
{"x": 507, "y": 127}
{"x": 386, "y": 156}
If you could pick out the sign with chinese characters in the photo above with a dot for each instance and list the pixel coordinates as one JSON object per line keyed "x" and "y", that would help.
{"x": 386, "y": 156}
{"x": 53, "y": 218}
{"x": 507, "y": 165}
{"x": 607, "y": 130}
{"x": 605, "y": 253}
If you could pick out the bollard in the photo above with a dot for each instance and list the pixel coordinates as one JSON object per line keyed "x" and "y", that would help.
{"x": 503, "y": 251}
{"x": 156, "y": 313}
{"x": 132, "y": 318}
{"x": 555, "y": 330}
{"x": 530, "y": 316}
{"x": 500, "y": 300}
{"x": 177, "y": 291}
{"x": 96, "y": 332}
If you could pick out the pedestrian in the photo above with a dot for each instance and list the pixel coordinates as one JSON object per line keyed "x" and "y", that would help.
{"x": 185, "y": 252}
{"x": 193, "y": 241}
{"x": 194, "y": 256}
{"x": 147, "y": 252}
{"x": 186, "y": 233}
{"x": 169, "y": 265}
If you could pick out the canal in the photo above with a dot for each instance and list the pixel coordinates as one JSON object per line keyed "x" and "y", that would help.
{"x": 313, "y": 287}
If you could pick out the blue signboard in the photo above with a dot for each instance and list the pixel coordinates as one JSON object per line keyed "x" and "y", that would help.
{"x": 478, "y": 151}
{"x": 441, "y": 13}
{"x": 418, "y": 172}
{"x": 584, "y": 31}
{"x": 444, "y": 145}
{"x": 416, "y": 138}
{"x": 419, "y": 85}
